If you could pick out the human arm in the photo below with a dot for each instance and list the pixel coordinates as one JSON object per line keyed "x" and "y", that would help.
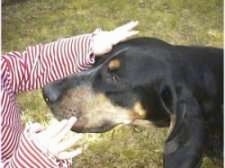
{"x": 44, "y": 63}
{"x": 37, "y": 66}
{"x": 45, "y": 147}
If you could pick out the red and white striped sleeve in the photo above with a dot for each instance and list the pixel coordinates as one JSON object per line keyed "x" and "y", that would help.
{"x": 28, "y": 154}
{"x": 43, "y": 63}
{"x": 28, "y": 70}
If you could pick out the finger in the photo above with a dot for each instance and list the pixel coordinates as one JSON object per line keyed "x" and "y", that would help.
{"x": 131, "y": 34}
{"x": 128, "y": 26}
{"x": 53, "y": 129}
{"x": 68, "y": 143}
{"x": 69, "y": 155}
{"x": 35, "y": 127}
{"x": 124, "y": 36}
{"x": 65, "y": 129}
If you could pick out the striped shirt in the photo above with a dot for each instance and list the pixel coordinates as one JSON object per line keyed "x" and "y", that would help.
{"x": 28, "y": 70}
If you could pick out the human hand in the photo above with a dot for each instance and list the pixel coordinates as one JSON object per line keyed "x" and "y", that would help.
{"x": 103, "y": 41}
{"x": 52, "y": 140}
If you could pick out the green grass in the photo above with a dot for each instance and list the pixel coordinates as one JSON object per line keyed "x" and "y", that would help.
{"x": 28, "y": 22}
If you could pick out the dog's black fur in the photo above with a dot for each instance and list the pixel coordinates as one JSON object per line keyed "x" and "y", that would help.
{"x": 180, "y": 85}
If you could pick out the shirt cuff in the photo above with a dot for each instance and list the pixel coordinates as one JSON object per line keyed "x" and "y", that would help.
{"x": 90, "y": 59}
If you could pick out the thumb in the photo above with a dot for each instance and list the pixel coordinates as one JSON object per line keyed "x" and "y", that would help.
{"x": 69, "y": 155}
{"x": 34, "y": 127}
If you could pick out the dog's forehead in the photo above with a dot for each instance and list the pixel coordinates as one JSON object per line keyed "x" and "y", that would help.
{"x": 115, "y": 53}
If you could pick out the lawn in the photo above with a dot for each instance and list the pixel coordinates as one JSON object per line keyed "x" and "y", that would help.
{"x": 27, "y": 22}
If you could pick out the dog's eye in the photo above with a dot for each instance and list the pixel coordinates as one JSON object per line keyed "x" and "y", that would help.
{"x": 112, "y": 69}
{"x": 115, "y": 77}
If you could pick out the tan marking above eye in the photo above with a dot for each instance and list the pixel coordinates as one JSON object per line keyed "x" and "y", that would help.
{"x": 114, "y": 64}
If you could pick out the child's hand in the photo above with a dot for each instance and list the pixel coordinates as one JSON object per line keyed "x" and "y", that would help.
{"x": 52, "y": 139}
{"x": 103, "y": 41}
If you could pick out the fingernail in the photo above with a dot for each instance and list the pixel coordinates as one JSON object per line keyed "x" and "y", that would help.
{"x": 73, "y": 119}
{"x": 63, "y": 121}
{"x": 136, "y": 22}
{"x": 79, "y": 150}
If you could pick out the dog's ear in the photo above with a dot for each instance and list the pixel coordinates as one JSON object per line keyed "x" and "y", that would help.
{"x": 184, "y": 145}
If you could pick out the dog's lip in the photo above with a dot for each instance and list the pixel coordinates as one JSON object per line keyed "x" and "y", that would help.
{"x": 141, "y": 122}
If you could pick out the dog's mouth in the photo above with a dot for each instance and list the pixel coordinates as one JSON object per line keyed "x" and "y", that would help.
{"x": 140, "y": 122}
{"x": 101, "y": 122}
{"x": 83, "y": 126}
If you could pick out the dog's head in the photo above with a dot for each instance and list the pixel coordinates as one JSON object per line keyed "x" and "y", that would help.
{"x": 115, "y": 91}
{"x": 142, "y": 79}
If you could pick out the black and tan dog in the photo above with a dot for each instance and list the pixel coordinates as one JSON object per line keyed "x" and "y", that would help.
{"x": 145, "y": 78}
